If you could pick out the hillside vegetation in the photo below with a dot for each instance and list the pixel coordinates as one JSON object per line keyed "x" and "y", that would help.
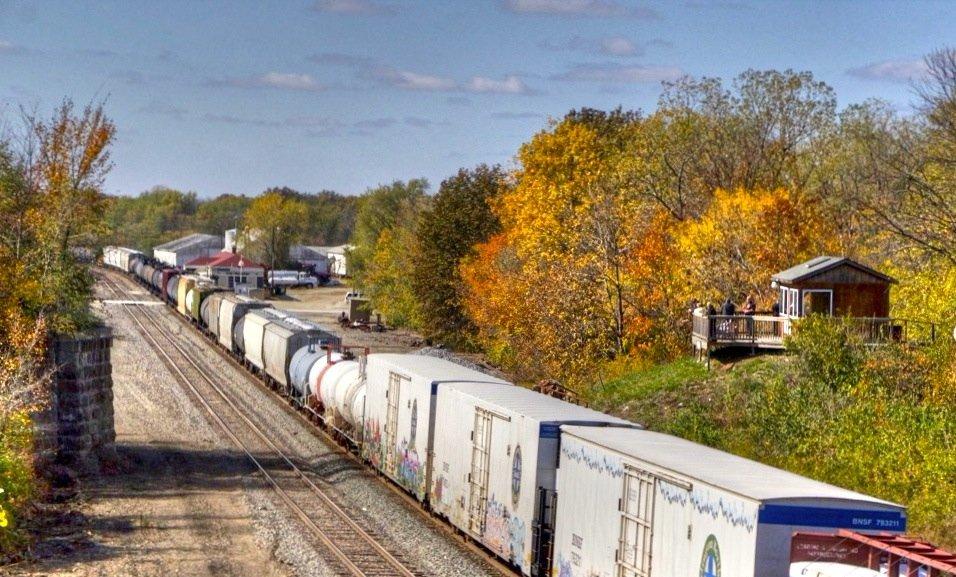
{"x": 877, "y": 420}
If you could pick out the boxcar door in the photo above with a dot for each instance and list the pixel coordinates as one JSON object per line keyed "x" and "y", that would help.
{"x": 392, "y": 398}
{"x": 637, "y": 522}
{"x": 478, "y": 478}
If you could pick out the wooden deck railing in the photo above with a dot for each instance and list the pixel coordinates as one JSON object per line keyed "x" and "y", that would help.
{"x": 765, "y": 331}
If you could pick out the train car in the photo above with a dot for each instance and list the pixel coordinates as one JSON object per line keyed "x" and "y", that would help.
{"x": 253, "y": 334}
{"x": 171, "y": 285}
{"x": 634, "y": 502}
{"x": 209, "y": 312}
{"x": 282, "y": 338}
{"x": 156, "y": 281}
{"x": 146, "y": 275}
{"x": 186, "y": 283}
{"x": 336, "y": 389}
{"x": 305, "y": 363}
{"x": 231, "y": 311}
{"x": 399, "y": 413}
{"x": 495, "y": 457}
{"x": 196, "y": 295}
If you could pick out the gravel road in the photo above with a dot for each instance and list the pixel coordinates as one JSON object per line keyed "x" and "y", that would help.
{"x": 187, "y": 503}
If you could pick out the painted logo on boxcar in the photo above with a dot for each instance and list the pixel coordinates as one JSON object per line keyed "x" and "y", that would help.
{"x": 516, "y": 476}
{"x": 710, "y": 560}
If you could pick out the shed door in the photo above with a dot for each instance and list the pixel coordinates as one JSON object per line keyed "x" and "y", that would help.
{"x": 392, "y": 397}
{"x": 478, "y": 478}
{"x": 637, "y": 522}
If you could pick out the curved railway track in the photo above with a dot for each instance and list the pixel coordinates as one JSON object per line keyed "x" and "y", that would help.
{"x": 354, "y": 550}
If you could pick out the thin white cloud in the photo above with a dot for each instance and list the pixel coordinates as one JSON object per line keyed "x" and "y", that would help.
{"x": 407, "y": 80}
{"x": 7, "y": 47}
{"x": 366, "y": 7}
{"x": 896, "y": 70}
{"x": 238, "y": 121}
{"x": 617, "y": 73}
{"x": 618, "y": 46}
{"x": 340, "y": 59}
{"x": 509, "y": 85}
{"x": 419, "y": 122}
{"x": 288, "y": 81}
{"x": 162, "y": 109}
{"x": 276, "y": 80}
{"x": 516, "y": 115}
{"x": 595, "y": 8}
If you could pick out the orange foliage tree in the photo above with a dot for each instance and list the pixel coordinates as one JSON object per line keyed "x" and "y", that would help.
{"x": 744, "y": 237}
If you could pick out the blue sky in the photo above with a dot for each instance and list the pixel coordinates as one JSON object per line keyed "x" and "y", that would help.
{"x": 237, "y": 96}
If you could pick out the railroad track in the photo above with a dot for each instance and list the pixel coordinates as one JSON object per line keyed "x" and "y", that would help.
{"x": 354, "y": 550}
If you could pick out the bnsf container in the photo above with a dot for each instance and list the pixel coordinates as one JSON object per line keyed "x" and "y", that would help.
{"x": 399, "y": 413}
{"x": 253, "y": 333}
{"x": 496, "y": 454}
{"x": 231, "y": 311}
{"x": 633, "y": 502}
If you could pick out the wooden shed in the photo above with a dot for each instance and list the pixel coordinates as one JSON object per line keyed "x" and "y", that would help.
{"x": 835, "y": 286}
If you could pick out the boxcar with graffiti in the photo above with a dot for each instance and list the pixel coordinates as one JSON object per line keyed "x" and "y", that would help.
{"x": 399, "y": 413}
{"x": 639, "y": 503}
{"x": 495, "y": 461}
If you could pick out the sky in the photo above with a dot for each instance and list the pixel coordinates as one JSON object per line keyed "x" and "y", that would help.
{"x": 234, "y": 97}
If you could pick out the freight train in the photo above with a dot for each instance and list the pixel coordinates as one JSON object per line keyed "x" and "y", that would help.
{"x": 548, "y": 487}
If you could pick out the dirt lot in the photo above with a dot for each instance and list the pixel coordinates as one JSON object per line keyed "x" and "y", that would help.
{"x": 325, "y": 304}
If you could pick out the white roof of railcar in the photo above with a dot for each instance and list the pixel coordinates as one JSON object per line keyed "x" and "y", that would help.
{"x": 536, "y": 406}
{"x": 720, "y": 469}
{"x": 436, "y": 369}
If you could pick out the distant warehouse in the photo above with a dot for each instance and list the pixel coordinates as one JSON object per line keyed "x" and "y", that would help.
{"x": 180, "y": 251}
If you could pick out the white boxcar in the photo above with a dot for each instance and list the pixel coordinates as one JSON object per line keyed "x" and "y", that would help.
{"x": 399, "y": 413}
{"x": 496, "y": 453}
{"x": 253, "y": 333}
{"x": 233, "y": 308}
{"x": 638, "y": 503}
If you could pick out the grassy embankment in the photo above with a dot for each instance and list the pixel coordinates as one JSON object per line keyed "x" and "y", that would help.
{"x": 880, "y": 421}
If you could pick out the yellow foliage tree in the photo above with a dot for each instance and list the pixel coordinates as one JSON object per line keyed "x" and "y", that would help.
{"x": 744, "y": 237}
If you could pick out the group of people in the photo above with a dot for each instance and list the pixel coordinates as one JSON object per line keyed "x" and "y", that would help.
{"x": 727, "y": 309}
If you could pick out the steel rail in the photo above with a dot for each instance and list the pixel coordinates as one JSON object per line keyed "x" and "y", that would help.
{"x": 336, "y": 550}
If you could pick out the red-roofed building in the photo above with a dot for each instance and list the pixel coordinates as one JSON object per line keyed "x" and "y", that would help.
{"x": 229, "y": 270}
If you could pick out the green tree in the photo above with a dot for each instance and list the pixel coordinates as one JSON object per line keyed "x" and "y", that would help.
{"x": 460, "y": 217}
{"x": 217, "y": 215}
{"x": 271, "y": 224}
{"x": 379, "y": 209}
{"x": 153, "y": 217}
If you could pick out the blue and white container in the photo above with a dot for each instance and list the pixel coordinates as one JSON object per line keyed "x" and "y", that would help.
{"x": 634, "y": 502}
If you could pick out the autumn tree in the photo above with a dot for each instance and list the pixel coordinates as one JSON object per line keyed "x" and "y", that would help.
{"x": 459, "y": 218}
{"x": 746, "y": 236}
{"x": 270, "y": 226}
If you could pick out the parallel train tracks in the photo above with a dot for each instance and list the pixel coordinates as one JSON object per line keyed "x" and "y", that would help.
{"x": 354, "y": 550}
